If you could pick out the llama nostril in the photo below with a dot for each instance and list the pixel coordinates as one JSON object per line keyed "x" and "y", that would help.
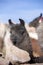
{"x": 14, "y": 41}
{"x": 10, "y": 63}
{"x": 0, "y": 55}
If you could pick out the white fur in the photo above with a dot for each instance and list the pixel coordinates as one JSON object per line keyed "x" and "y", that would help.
{"x": 13, "y": 53}
{"x": 31, "y": 31}
{"x": 3, "y": 61}
{"x": 33, "y": 35}
{"x": 3, "y": 28}
{"x": 40, "y": 20}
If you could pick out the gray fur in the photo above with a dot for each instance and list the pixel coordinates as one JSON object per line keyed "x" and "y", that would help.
{"x": 40, "y": 35}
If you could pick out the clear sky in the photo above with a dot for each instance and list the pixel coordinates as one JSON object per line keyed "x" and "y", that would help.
{"x": 15, "y": 9}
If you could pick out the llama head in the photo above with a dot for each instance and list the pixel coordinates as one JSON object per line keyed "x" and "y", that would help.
{"x": 17, "y": 31}
{"x": 35, "y": 22}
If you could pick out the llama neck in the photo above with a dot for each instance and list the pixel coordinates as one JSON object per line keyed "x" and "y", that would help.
{"x": 40, "y": 35}
{"x": 7, "y": 40}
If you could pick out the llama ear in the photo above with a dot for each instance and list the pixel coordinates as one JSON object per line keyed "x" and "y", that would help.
{"x": 40, "y": 14}
{"x": 22, "y": 22}
{"x": 10, "y": 22}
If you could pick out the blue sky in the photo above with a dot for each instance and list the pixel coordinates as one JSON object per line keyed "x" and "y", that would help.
{"x": 15, "y": 9}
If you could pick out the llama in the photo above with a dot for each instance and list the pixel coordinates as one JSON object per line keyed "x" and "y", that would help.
{"x": 14, "y": 54}
{"x": 34, "y": 40}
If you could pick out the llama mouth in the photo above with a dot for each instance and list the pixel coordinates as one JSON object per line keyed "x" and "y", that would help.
{"x": 14, "y": 42}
